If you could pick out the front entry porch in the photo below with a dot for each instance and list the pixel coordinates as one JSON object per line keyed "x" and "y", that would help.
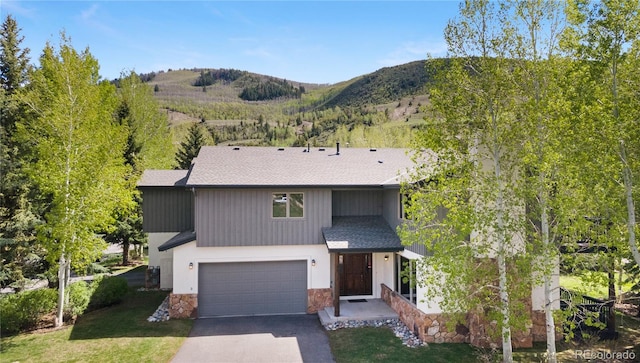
{"x": 360, "y": 249}
{"x": 371, "y": 309}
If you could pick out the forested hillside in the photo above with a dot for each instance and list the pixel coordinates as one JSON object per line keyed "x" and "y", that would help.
{"x": 238, "y": 107}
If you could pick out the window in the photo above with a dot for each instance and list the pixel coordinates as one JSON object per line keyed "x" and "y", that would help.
{"x": 288, "y": 205}
{"x": 406, "y": 275}
{"x": 403, "y": 198}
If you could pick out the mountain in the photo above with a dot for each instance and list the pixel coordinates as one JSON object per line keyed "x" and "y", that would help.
{"x": 240, "y": 107}
{"x": 382, "y": 86}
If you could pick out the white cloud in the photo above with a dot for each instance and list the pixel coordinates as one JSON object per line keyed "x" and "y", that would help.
{"x": 260, "y": 52}
{"x": 411, "y": 50}
{"x": 15, "y": 8}
{"x": 91, "y": 18}
{"x": 87, "y": 15}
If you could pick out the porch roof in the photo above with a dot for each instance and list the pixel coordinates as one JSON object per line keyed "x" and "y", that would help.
{"x": 361, "y": 234}
{"x": 178, "y": 240}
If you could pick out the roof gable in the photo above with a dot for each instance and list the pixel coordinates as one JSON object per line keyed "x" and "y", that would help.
{"x": 163, "y": 178}
{"x": 301, "y": 167}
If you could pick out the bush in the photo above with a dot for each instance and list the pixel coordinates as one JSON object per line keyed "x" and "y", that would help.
{"x": 79, "y": 296}
{"x": 23, "y": 310}
{"x": 95, "y": 269}
{"x": 108, "y": 290}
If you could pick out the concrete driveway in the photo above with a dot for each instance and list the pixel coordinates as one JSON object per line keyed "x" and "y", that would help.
{"x": 281, "y": 339}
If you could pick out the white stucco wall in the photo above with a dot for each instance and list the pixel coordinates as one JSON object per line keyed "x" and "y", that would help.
{"x": 382, "y": 272}
{"x": 163, "y": 259}
{"x": 537, "y": 292}
{"x": 422, "y": 303}
{"x": 185, "y": 280}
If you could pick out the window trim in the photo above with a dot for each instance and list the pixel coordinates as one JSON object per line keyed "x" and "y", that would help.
{"x": 287, "y": 197}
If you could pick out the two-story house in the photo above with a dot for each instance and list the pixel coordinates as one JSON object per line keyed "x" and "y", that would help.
{"x": 265, "y": 230}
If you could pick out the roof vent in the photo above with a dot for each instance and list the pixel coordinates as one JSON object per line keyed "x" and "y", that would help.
{"x": 236, "y": 148}
{"x": 380, "y": 161}
{"x": 280, "y": 149}
{"x": 321, "y": 149}
{"x": 373, "y": 149}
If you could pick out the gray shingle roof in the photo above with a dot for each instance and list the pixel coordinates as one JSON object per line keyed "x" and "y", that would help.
{"x": 225, "y": 166}
{"x": 361, "y": 234}
{"x": 163, "y": 178}
{"x": 178, "y": 240}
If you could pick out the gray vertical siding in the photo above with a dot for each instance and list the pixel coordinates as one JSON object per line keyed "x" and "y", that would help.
{"x": 357, "y": 203}
{"x": 167, "y": 209}
{"x": 391, "y": 207}
{"x": 392, "y": 216}
{"x": 242, "y": 217}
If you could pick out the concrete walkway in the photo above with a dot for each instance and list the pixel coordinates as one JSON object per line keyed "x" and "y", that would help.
{"x": 372, "y": 309}
{"x": 256, "y": 339}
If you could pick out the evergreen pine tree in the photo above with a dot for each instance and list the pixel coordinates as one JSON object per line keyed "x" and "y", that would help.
{"x": 22, "y": 257}
{"x": 190, "y": 147}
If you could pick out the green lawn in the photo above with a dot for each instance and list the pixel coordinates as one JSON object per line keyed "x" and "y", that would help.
{"x": 381, "y": 345}
{"x": 122, "y": 334}
{"x": 117, "y": 334}
{"x": 594, "y": 284}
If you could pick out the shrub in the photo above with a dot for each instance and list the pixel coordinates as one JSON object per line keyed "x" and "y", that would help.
{"x": 22, "y": 311}
{"x": 95, "y": 269}
{"x": 108, "y": 290}
{"x": 79, "y": 296}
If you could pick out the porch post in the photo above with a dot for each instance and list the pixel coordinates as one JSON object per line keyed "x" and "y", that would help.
{"x": 336, "y": 284}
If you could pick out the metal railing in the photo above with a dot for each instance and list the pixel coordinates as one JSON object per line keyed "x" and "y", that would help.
{"x": 587, "y": 308}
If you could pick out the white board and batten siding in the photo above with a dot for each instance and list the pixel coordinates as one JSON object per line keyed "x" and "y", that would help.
{"x": 243, "y": 217}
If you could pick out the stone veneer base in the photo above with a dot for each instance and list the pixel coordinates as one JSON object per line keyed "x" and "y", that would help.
{"x": 318, "y": 299}
{"x": 183, "y": 306}
{"x": 430, "y": 328}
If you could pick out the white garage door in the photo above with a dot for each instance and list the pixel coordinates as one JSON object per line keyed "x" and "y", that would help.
{"x": 252, "y": 288}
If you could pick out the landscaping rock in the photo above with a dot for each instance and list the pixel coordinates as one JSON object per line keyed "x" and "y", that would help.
{"x": 399, "y": 329}
{"x": 161, "y": 313}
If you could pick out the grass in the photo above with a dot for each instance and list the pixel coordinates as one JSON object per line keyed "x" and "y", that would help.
{"x": 381, "y": 345}
{"x": 117, "y": 334}
{"x": 594, "y": 284}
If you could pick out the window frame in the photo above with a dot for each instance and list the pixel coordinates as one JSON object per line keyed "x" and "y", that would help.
{"x": 287, "y": 205}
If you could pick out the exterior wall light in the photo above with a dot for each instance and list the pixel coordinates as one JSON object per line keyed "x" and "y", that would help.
{"x": 313, "y": 262}
{"x": 386, "y": 257}
{"x": 190, "y": 265}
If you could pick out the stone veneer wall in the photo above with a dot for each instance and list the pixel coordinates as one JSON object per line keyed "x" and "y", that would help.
{"x": 183, "y": 306}
{"x": 318, "y": 299}
{"x": 430, "y": 328}
{"x": 483, "y": 333}
{"x": 539, "y": 327}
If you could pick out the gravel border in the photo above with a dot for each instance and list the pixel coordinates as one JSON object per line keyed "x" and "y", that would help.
{"x": 399, "y": 329}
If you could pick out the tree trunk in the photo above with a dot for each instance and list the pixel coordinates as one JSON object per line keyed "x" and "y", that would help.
{"x": 631, "y": 211}
{"x": 67, "y": 277}
{"x": 507, "y": 351}
{"x": 125, "y": 252}
{"x": 548, "y": 298}
{"x": 62, "y": 269}
{"x": 611, "y": 321}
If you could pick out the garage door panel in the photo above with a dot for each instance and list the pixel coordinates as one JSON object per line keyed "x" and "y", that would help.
{"x": 252, "y": 288}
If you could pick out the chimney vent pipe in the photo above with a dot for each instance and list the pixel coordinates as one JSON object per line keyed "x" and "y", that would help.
{"x": 337, "y": 148}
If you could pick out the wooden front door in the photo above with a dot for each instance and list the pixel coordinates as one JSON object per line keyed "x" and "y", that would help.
{"x": 355, "y": 278}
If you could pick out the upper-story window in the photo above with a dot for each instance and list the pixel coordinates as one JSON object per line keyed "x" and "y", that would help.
{"x": 403, "y": 198}
{"x": 288, "y": 205}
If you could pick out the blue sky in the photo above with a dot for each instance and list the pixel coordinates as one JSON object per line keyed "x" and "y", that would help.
{"x": 306, "y": 41}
